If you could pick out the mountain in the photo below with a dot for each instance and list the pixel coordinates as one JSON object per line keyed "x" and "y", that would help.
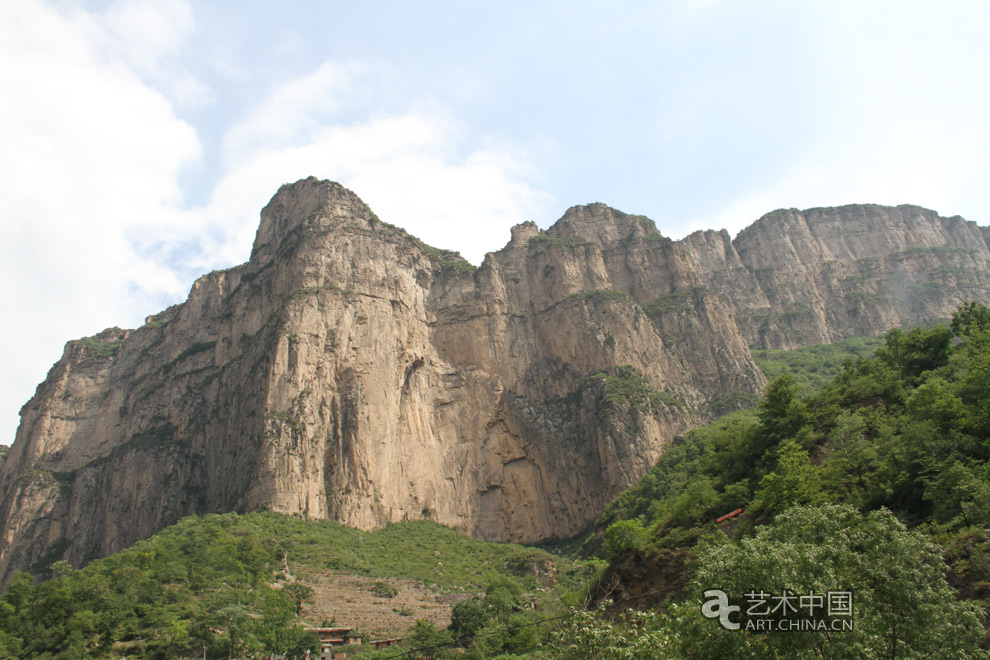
{"x": 795, "y": 278}
{"x": 350, "y": 372}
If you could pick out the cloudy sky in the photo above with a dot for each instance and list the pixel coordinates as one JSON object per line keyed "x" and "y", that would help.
{"x": 139, "y": 139}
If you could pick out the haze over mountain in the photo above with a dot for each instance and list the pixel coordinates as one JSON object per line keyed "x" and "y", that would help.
{"x": 349, "y": 371}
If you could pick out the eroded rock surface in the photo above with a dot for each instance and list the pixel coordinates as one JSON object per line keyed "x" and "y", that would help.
{"x": 348, "y": 371}
{"x": 795, "y": 278}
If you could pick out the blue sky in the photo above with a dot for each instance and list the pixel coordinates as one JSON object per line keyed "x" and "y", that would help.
{"x": 141, "y": 138}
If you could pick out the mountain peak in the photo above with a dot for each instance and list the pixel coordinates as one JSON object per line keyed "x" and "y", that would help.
{"x": 601, "y": 224}
{"x": 296, "y": 202}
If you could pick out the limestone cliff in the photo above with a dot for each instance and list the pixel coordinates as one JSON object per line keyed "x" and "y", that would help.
{"x": 800, "y": 277}
{"x": 348, "y": 371}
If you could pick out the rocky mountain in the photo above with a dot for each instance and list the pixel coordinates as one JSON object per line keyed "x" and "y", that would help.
{"x": 795, "y": 278}
{"x": 348, "y": 371}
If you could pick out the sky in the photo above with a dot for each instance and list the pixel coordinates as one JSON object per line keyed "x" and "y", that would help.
{"x": 139, "y": 139}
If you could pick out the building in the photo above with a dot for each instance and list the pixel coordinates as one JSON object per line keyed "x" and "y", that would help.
{"x": 331, "y": 639}
{"x": 384, "y": 643}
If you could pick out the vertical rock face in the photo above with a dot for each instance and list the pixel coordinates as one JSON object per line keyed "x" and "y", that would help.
{"x": 348, "y": 371}
{"x": 824, "y": 274}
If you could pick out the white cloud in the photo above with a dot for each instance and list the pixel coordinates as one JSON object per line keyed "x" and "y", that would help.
{"x": 292, "y": 112}
{"x": 91, "y": 157}
{"x": 145, "y": 31}
{"x": 407, "y": 167}
{"x": 96, "y": 231}
{"x": 149, "y": 36}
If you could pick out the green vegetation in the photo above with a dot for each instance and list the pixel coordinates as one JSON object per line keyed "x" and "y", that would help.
{"x": 828, "y": 482}
{"x": 430, "y": 553}
{"x": 155, "y": 438}
{"x": 38, "y": 477}
{"x": 887, "y": 431}
{"x": 937, "y": 249}
{"x": 865, "y": 297}
{"x": 903, "y": 606}
{"x": 155, "y": 324}
{"x": 446, "y": 258}
{"x": 597, "y": 634}
{"x": 674, "y": 302}
{"x": 217, "y": 581}
{"x": 159, "y": 320}
{"x": 201, "y": 582}
{"x": 814, "y": 366}
{"x": 544, "y": 238}
{"x": 930, "y": 288}
{"x": 284, "y": 418}
{"x": 198, "y": 347}
{"x": 623, "y": 390}
{"x": 599, "y": 294}
{"x": 733, "y": 401}
{"x": 249, "y": 276}
{"x": 103, "y": 344}
{"x": 384, "y": 589}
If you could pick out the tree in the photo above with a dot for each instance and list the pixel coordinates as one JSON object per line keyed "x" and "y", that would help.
{"x": 502, "y": 595}
{"x": 299, "y": 593}
{"x": 300, "y": 642}
{"x": 969, "y": 319}
{"x": 971, "y": 322}
{"x": 495, "y": 624}
{"x": 795, "y": 481}
{"x": 902, "y": 605}
{"x": 781, "y": 416}
{"x": 850, "y": 469}
{"x": 780, "y": 412}
{"x": 593, "y": 635}
{"x": 918, "y": 351}
{"x": 170, "y": 633}
{"x": 959, "y": 495}
{"x": 467, "y": 617}
{"x": 278, "y": 615}
{"x": 428, "y": 642}
{"x": 235, "y": 622}
{"x": 623, "y": 536}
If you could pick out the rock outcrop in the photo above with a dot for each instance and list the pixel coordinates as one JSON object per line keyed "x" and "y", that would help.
{"x": 795, "y": 278}
{"x": 350, "y": 372}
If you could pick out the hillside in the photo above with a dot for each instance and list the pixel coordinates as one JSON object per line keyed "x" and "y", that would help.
{"x": 904, "y": 432}
{"x": 349, "y": 372}
{"x": 234, "y": 584}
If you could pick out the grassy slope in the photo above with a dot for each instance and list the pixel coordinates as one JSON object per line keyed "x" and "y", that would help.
{"x": 188, "y": 577}
{"x": 813, "y": 366}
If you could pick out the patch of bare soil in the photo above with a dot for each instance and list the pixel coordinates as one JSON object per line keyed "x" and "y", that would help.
{"x": 358, "y": 602}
